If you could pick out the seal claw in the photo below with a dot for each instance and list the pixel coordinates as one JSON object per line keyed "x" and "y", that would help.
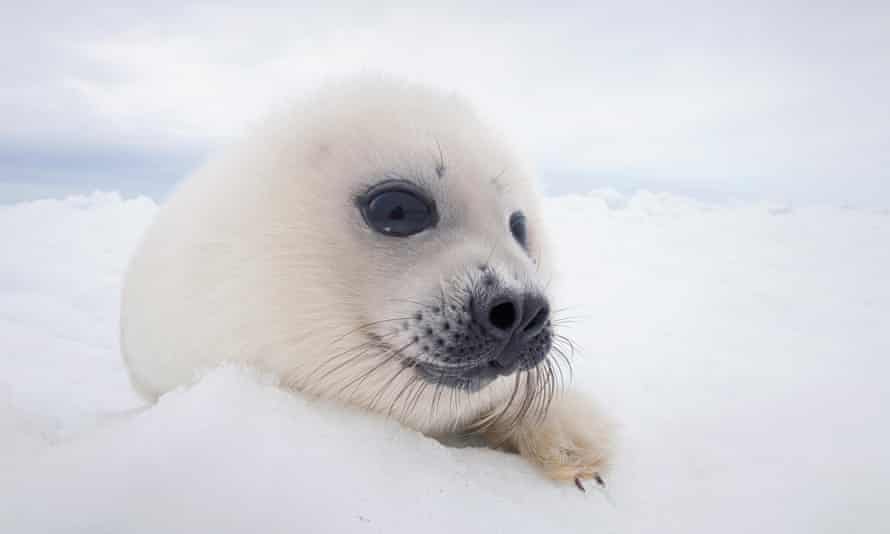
{"x": 580, "y": 485}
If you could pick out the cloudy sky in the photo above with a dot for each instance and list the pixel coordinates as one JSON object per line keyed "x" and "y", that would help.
{"x": 774, "y": 100}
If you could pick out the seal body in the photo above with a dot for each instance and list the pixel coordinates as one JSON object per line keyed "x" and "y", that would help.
{"x": 378, "y": 245}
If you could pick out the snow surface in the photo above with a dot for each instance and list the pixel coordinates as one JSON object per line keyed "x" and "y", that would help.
{"x": 744, "y": 349}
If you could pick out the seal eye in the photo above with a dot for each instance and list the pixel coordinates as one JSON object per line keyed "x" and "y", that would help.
{"x": 517, "y": 228}
{"x": 398, "y": 210}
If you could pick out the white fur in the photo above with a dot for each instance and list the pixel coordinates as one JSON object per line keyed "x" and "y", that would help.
{"x": 261, "y": 257}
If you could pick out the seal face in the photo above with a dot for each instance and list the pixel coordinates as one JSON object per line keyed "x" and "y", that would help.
{"x": 477, "y": 330}
{"x": 377, "y": 244}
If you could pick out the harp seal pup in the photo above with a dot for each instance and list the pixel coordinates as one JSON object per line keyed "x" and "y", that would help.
{"x": 377, "y": 245}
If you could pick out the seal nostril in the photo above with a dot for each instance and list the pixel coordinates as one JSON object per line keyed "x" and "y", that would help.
{"x": 538, "y": 320}
{"x": 503, "y": 316}
{"x": 535, "y": 317}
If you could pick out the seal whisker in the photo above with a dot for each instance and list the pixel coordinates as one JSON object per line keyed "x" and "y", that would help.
{"x": 409, "y": 301}
{"x": 359, "y": 380}
{"x": 494, "y": 247}
{"x": 560, "y": 339}
{"x": 528, "y": 397}
{"x": 437, "y": 394}
{"x": 366, "y": 326}
{"x": 411, "y": 405}
{"x": 392, "y": 379}
{"x": 404, "y": 389}
{"x": 541, "y": 392}
{"x": 554, "y": 386}
{"x": 556, "y": 368}
{"x": 366, "y": 348}
{"x": 556, "y": 349}
{"x": 363, "y": 347}
{"x": 492, "y": 419}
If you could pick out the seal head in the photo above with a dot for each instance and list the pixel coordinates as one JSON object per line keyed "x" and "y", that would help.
{"x": 377, "y": 244}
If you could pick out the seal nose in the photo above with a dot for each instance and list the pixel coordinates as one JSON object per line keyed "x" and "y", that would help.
{"x": 515, "y": 318}
{"x": 507, "y": 315}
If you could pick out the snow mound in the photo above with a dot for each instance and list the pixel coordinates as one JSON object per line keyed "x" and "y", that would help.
{"x": 743, "y": 353}
{"x": 236, "y": 454}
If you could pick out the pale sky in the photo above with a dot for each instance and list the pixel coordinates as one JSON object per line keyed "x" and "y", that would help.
{"x": 783, "y": 101}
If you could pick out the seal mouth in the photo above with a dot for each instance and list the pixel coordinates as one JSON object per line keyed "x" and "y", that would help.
{"x": 470, "y": 379}
{"x": 474, "y": 376}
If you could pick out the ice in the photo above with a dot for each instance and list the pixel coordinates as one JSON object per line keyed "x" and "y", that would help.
{"x": 743, "y": 348}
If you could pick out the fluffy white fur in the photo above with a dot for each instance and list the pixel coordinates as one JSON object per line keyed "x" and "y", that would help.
{"x": 261, "y": 257}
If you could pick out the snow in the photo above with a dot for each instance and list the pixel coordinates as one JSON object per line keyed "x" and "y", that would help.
{"x": 742, "y": 347}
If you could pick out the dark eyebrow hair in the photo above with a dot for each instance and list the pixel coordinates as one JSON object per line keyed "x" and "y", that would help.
{"x": 496, "y": 181}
